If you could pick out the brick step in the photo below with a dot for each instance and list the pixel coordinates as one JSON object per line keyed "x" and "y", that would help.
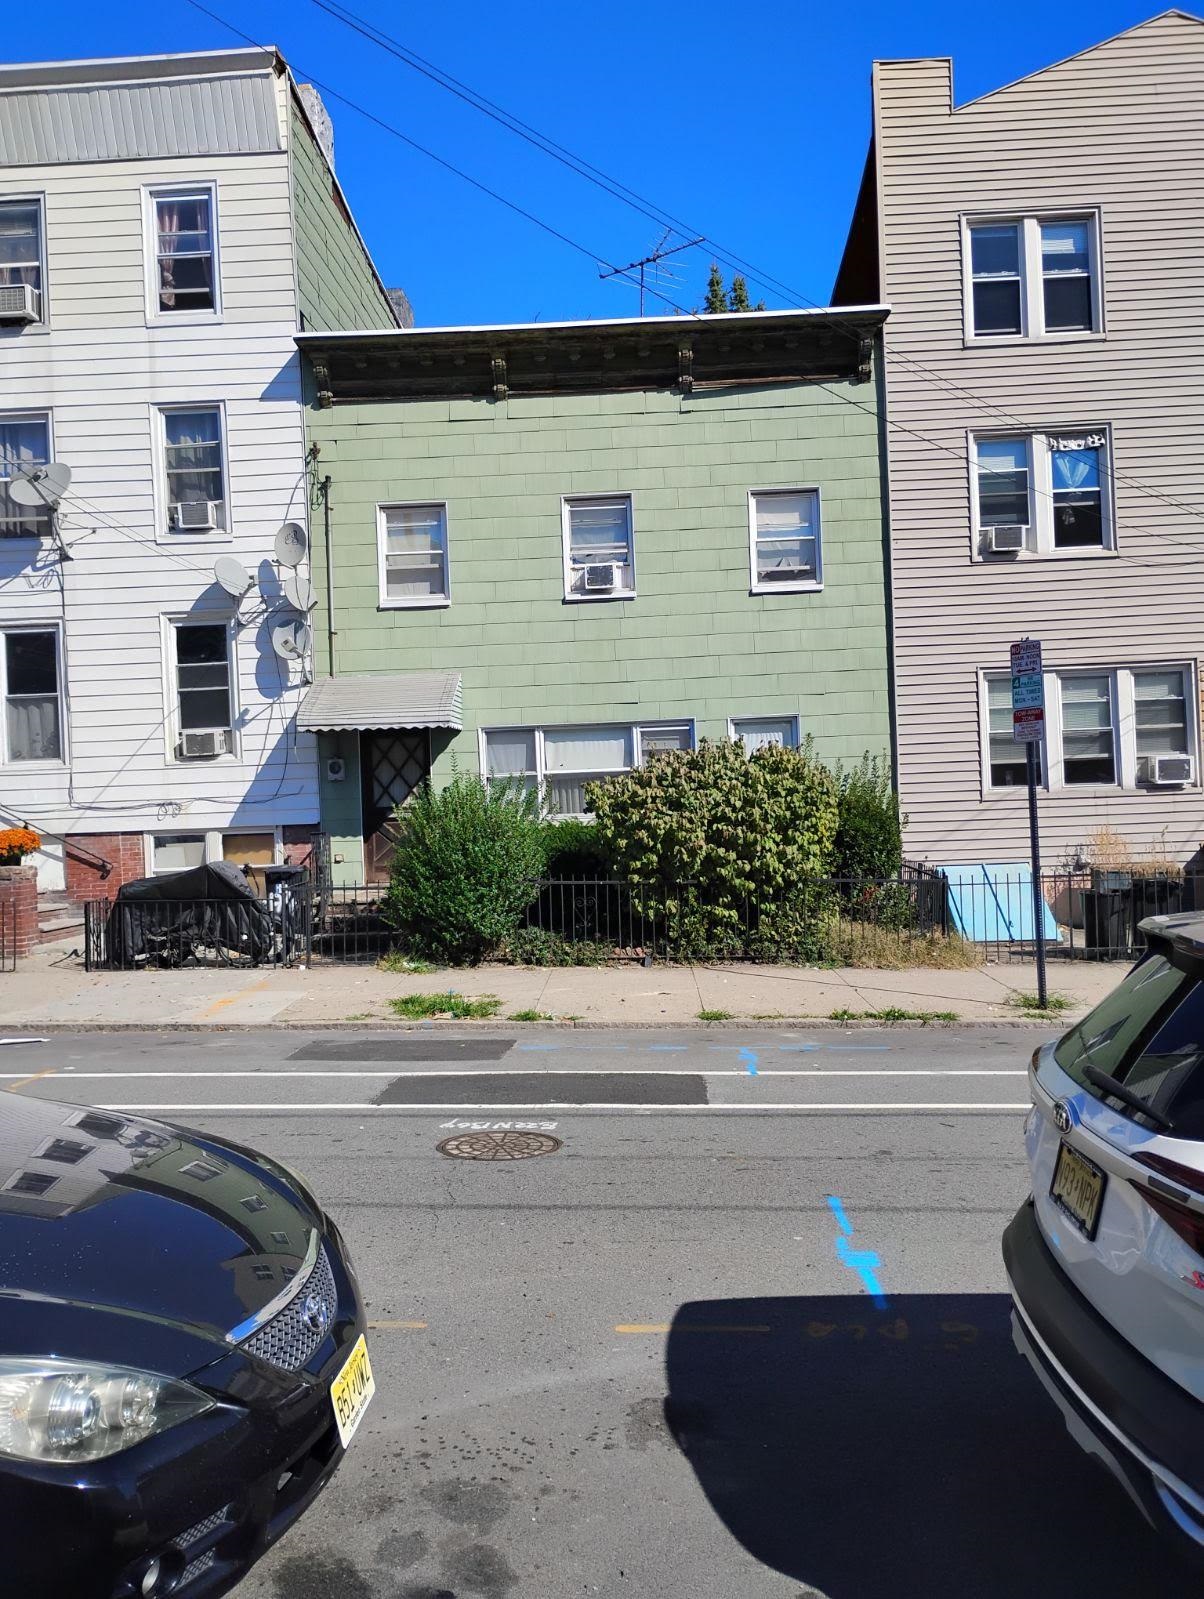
{"x": 59, "y": 917}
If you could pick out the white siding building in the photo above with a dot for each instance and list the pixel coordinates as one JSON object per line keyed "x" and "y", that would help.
{"x": 167, "y": 225}
{"x": 1040, "y": 250}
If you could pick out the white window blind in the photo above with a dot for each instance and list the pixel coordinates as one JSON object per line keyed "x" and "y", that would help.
{"x": 785, "y": 539}
{"x": 414, "y": 553}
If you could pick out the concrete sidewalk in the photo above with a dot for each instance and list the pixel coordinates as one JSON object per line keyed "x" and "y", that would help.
{"x": 51, "y": 989}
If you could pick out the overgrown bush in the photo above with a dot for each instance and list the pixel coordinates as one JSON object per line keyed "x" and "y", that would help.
{"x": 536, "y": 946}
{"x": 869, "y": 836}
{"x": 574, "y": 849}
{"x": 467, "y": 858}
{"x": 712, "y": 834}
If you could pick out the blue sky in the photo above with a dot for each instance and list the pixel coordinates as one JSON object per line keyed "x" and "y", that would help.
{"x": 751, "y": 125}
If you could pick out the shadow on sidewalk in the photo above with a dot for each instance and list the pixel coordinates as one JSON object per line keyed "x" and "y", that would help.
{"x": 907, "y": 1453}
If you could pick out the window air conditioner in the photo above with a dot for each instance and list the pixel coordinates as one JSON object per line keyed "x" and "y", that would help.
{"x": 20, "y": 302}
{"x": 1168, "y": 770}
{"x": 197, "y": 516}
{"x": 202, "y": 745}
{"x": 602, "y": 575}
{"x": 1006, "y": 538}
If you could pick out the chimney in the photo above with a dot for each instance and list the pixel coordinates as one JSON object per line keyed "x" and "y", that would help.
{"x": 319, "y": 119}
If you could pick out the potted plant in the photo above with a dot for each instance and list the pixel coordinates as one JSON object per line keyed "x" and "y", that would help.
{"x": 16, "y": 843}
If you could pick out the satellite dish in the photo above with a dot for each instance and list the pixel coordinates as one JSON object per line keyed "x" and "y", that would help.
{"x": 292, "y": 546}
{"x": 41, "y": 485}
{"x": 290, "y": 638}
{"x": 298, "y": 591}
{"x": 232, "y": 575}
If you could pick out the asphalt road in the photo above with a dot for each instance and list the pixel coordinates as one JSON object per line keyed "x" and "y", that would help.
{"x": 743, "y": 1334}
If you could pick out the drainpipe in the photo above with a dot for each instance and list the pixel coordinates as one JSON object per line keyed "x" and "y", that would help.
{"x": 331, "y": 630}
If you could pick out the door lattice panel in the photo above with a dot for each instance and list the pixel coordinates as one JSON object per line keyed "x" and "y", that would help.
{"x": 397, "y": 763}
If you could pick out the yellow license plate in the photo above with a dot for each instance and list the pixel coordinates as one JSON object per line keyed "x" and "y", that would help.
{"x": 1078, "y": 1189}
{"x": 351, "y": 1390}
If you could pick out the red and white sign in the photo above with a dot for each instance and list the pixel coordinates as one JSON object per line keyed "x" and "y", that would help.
{"x": 1028, "y": 692}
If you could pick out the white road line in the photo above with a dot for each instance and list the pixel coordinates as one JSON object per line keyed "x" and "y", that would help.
{"x": 526, "y": 1071}
{"x": 570, "y": 1104}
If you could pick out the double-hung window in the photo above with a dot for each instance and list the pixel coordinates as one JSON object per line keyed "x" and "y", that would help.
{"x": 33, "y": 708}
{"x": 784, "y": 542}
{"x": 757, "y": 732}
{"x": 185, "y": 252}
{"x": 24, "y": 443}
{"x": 1088, "y": 707}
{"x": 558, "y": 762}
{"x": 1042, "y": 493}
{"x": 194, "y": 468}
{"x": 204, "y": 701}
{"x": 1007, "y": 760}
{"x": 412, "y": 555}
{"x": 1161, "y": 730}
{"x": 599, "y": 547}
{"x": 1033, "y": 277}
{"x": 21, "y": 263}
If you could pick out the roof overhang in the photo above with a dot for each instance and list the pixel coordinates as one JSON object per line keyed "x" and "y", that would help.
{"x": 370, "y": 700}
{"x": 130, "y": 69}
{"x": 629, "y": 353}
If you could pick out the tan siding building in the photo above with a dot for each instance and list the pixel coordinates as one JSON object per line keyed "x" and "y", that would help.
{"x": 1041, "y": 251}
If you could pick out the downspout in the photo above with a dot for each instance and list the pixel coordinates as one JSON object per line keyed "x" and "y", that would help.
{"x": 331, "y": 630}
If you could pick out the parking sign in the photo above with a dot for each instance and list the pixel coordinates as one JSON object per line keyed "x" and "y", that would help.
{"x": 1028, "y": 692}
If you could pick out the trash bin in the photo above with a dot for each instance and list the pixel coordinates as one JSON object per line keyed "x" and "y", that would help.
{"x": 1106, "y": 921}
{"x": 282, "y": 890}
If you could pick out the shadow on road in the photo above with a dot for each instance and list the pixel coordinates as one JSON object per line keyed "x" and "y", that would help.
{"x": 905, "y": 1453}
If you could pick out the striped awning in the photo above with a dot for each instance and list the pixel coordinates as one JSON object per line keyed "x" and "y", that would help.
{"x": 382, "y": 699}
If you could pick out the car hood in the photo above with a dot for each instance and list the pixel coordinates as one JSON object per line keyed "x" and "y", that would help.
{"x": 104, "y": 1211}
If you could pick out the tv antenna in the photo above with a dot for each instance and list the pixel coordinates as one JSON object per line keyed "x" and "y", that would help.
{"x": 44, "y": 486}
{"x": 659, "y": 254}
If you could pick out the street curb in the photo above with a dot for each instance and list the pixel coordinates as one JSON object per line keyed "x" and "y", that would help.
{"x": 449, "y": 1024}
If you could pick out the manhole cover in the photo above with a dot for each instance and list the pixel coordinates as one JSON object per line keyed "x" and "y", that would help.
{"x": 498, "y": 1146}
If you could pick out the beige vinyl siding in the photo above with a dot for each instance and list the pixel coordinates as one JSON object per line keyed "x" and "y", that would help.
{"x": 1120, "y": 130}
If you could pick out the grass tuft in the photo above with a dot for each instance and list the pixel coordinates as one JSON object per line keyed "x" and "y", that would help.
{"x": 714, "y": 1015}
{"x": 893, "y": 1013}
{"x": 885, "y": 949}
{"x": 529, "y": 1016}
{"x": 418, "y": 1007}
{"x": 395, "y": 961}
{"x": 1054, "y": 1005}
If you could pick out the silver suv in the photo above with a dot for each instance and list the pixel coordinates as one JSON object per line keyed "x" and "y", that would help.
{"x": 1106, "y": 1260}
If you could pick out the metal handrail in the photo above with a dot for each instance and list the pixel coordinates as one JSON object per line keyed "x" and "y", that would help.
{"x": 65, "y": 840}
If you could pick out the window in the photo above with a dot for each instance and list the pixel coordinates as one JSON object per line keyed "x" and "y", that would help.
{"x": 558, "y": 762}
{"x": 32, "y": 1183}
{"x": 24, "y": 442}
{"x": 1159, "y": 719}
{"x": 32, "y": 703}
{"x": 1049, "y": 485}
{"x": 412, "y": 551}
{"x": 21, "y": 247}
{"x": 66, "y": 1151}
{"x": 1033, "y": 277}
{"x": 204, "y": 1171}
{"x": 1088, "y": 728}
{"x": 203, "y": 699}
{"x": 1008, "y": 761}
{"x": 185, "y": 274}
{"x": 599, "y": 554}
{"x": 194, "y": 469}
{"x": 177, "y": 852}
{"x": 755, "y": 732}
{"x": 784, "y": 540}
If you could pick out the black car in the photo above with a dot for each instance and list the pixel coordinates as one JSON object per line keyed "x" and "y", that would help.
{"x": 182, "y": 1356}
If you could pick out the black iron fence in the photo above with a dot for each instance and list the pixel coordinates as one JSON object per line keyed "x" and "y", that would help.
{"x": 168, "y": 933}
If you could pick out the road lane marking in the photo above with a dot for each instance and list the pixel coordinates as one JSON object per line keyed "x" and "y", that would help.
{"x": 37, "y": 1077}
{"x": 252, "y": 1073}
{"x": 571, "y": 1104}
{"x": 396, "y": 1326}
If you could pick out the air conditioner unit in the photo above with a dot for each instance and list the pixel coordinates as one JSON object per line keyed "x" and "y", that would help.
{"x": 198, "y": 744}
{"x": 602, "y": 575}
{"x": 20, "y": 302}
{"x": 195, "y": 516}
{"x": 1006, "y": 538}
{"x": 1172, "y": 770}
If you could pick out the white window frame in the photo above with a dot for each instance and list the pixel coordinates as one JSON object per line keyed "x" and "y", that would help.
{"x": 1032, "y": 300}
{"x": 152, "y": 192}
{"x": 64, "y": 758}
{"x": 567, "y": 501}
{"x": 734, "y": 724}
{"x": 542, "y": 775}
{"x": 213, "y": 837}
{"x": 803, "y": 585}
{"x": 171, "y": 722}
{"x": 42, "y": 325}
{"x": 989, "y": 790}
{"x": 29, "y": 415}
{"x": 1123, "y": 723}
{"x": 1040, "y": 541}
{"x": 418, "y": 602}
{"x": 165, "y": 533}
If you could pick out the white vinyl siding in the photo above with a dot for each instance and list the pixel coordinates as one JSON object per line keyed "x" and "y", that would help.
{"x": 599, "y": 547}
{"x": 558, "y": 762}
{"x": 784, "y": 541}
{"x": 412, "y": 555}
{"x": 1032, "y": 277}
{"x": 1055, "y": 486}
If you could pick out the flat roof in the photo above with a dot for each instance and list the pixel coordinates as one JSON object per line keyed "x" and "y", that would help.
{"x": 124, "y": 69}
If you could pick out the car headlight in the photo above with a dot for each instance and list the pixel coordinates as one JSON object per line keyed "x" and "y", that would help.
{"x": 67, "y": 1410}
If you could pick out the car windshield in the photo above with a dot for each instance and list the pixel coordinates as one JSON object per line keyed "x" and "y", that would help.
{"x": 1148, "y": 1034}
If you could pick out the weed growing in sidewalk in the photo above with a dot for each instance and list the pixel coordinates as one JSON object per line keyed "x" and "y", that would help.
{"x": 417, "y": 1007}
{"x": 1054, "y": 1005}
{"x": 529, "y": 1016}
{"x": 893, "y": 1013}
{"x": 714, "y": 1015}
{"x": 395, "y": 961}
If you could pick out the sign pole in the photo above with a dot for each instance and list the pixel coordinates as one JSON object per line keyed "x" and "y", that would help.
{"x": 1028, "y": 728}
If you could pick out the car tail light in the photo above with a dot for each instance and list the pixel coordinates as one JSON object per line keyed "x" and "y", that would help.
{"x": 1168, "y": 1202}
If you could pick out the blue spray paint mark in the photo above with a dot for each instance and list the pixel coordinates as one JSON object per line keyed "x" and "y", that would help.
{"x": 666, "y": 1049}
{"x": 798, "y": 1048}
{"x": 529, "y": 1048}
{"x": 863, "y": 1261}
{"x": 749, "y": 1059}
{"x": 856, "y": 1049}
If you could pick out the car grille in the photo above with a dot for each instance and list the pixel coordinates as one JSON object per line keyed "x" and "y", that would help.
{"x": 289, "y": 1340}
{"x": 187, "y": 1541}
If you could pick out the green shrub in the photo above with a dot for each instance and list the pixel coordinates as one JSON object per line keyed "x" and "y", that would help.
{"x": 573, "y": 849}
{"x": 535, "y": 946}
{"x": 467, "y": 859}
{"x": 719, "y": 842}
{"x": 869, "y": 837}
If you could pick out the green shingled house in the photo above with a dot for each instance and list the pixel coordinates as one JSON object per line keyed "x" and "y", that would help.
{"x": 547, "y": 551}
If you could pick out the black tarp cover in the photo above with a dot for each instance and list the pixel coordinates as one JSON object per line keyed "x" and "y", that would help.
{"x": 166, "y": 917}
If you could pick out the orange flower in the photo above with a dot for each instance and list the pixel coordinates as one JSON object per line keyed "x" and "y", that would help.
{"x": 18, "y": 841}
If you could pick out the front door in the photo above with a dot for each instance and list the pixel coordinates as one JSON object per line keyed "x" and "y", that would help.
{"x": 392, "y": 764}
